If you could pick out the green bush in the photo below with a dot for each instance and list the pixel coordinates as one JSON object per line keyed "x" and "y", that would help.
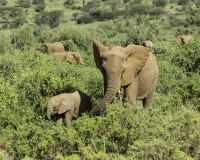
{"x": 40, "y": 6}
{"x": 119, "y": 133}
{"x": 17, "y": 22}
{"x": 24, "y": 3}
{"x": 160, "y": 3}
{"x": 3, "y": 2}
{"x": 76, "y": 39}
{"x": 5, "y": 45}
{"x": 102, "y": 15}
{"x": 187, "y": 56}
{"x": 84, "y": 19}
{"x": 23, "y": 38}
{"x": 140, "y": 9}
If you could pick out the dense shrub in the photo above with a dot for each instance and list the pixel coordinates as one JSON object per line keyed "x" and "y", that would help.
{"x": 75, "y": 39}
{"x": 102, "y": 15}
{"x": 54, "y": 18}
{"x": 40, "y": 6}
{"x": 84, "y": 19}
{"x": 119, "y": 133}
{"x": 160, "y": 3}
{"x": 187, "y": 56}
{"x": 17, "y": 22}
{"x": 5, "y": 45}
{"x": 23, "y": 37}
{"x": 8, "y": 13}
{"x": 193, "y": 17}
{"x": 3, "y": 2}
{"x": 24, "y": 3}
{"x": 140, "y": 9}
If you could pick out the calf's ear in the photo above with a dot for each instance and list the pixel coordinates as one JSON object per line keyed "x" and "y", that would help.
{"x": 66, "y": 105}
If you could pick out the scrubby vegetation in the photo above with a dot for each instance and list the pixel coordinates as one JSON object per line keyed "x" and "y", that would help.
{"x": 170, "y": 130}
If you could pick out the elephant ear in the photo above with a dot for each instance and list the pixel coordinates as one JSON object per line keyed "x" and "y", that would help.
{"x": 136, "y": 58}
{"x": 98, "y": 50}
{"x": 66, "y": 105}
{"x": 45, "y": 46}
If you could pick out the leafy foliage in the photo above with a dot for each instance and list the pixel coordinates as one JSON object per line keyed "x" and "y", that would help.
{"x": 24, "y": 3}
{"x": 160, "y": 3}
{"x": 169, "y": 130}
{"x": 84, "y": 19}
{"x": 10, "y": 12}
{"x": 3, "y": 2}
{"x": 5, "y": 45}
{"x": 187, "y": 57}
{"x": 40, "y": 5}
{"x": 23, "y": 37}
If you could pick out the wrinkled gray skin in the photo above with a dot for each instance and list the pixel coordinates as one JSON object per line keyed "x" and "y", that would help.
{"x": 183, "y": 39}
{"x": 71, "y": 57}
{"x": 134, "y": 68}
{"x": 51, "y": 47}
{"x": 147, "y": 44}
{"x": 68, "y": 106}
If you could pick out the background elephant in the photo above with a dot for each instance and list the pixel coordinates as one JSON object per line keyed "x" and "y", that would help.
{"x": 183, "y": 39}
{"x": 68, "y": 106}
{"x": 134, "y": 68}
{"x": 72, "y": 57}
{"x": 147, "y": 44}
{"x": 51, "y": 47}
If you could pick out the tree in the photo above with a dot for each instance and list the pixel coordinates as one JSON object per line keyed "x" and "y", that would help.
{"x": 49, "y": 18}
{"x": 54, "y": 18}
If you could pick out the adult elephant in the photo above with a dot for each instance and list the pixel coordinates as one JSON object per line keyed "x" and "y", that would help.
{"x": 147, "y": 44}
{"x": 134, "y": 68}
{"x": 51, "y": 47}
{"x": 71, "y": 57}
{"x": 68, "y": 106}
{"x": 183, "y": 39}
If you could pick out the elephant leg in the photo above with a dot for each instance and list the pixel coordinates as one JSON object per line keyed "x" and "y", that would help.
{"x": 131, "y": 93}
{"x": 147, "y": 102}
{"x": 68, "y": 118}
{"x": 58, "y": 120}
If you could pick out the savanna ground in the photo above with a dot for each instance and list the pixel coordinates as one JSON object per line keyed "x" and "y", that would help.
{"x": 169, "y": 131}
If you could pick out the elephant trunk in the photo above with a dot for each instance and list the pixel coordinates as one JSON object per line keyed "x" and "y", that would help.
{"x": 108, "y": 97}
{"x": 49, "y": 114}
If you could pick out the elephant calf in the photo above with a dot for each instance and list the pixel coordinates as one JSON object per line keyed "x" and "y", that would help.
{"x": 147, "y": 44}
{"x": 183, "y": 39}
{"x": 71, "y": 57}
{"x": 68, "y": 106}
